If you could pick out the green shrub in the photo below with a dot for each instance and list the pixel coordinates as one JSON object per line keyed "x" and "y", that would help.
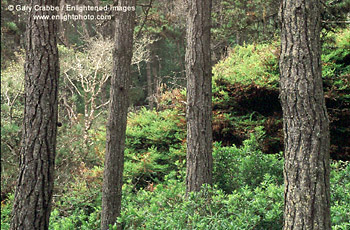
{"x": 76, "y": 220}
{"x": 336, "y": 64}
{"x": 235, "y": 168}
{"x": 154, "y": 129}
{"x": 255, "y": 201}
{"x": 340, "y": 195}
{"x": 79, "y": 206}
{"x": 255, "y": 63}
{"x": 246, "y": 83}
{"x": 166, "y": 207}
{"x": 6, "y": 208}
{"x": 245, "y": 95}
{"x": 155, "y": 146}
{"x": 12, "y": 106}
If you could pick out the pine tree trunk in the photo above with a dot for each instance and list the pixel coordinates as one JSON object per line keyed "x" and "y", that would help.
{"x": 33, "y": 196}
{"x": 199, "y": 101}
{"x": 118, "y": 108}
{"x": 306, "y": 124}
{"x": 155, "y": 82}
{"x": 149, "y": 85}
{"x": 62, "y": 26}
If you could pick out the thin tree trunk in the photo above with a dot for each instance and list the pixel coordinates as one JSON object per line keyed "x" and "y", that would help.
{"x": 62, "y": 26}
{"x": 155, "y": 81}
{"x": 305, "y": 119}
{"x": 33, "y": 196}
{"x": 199, "y": 101}
{"x": 149, "y": 85}
{"x": 118, "y": 107}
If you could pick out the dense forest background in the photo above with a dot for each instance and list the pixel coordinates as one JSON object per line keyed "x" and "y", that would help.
{"x": 247, "y": 117}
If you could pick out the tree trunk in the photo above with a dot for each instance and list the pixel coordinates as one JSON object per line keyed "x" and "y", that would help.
{"x": 155, "y": 81}
{"x": 199, "y": 101}
{"x": 33, "y": 196}
{"x": 62, "y": 27}
{"x": 149, "y": 85}
{"x": 118, "y": 107}
{"x": 305, "y": 119}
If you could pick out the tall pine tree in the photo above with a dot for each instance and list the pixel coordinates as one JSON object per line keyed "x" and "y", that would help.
{"x": 33, "y": 196}
{"x": 118, "y": 108}
{"x": 199, "y": 95}
{"x": 305, "y": 119}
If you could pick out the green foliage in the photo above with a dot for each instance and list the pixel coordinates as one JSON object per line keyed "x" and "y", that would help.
{"x": 258, "y": 64}
{"x": 152, "y": 128}
{"x": 336, "y": 65}
{"x": 245, "y": 86}
{"x": 247, "y": 191}
{"x": 334, "y": 13}
{"x": 248, "y": 64}
{"x": 166, "y": 207}
{"x": 247, "y": 166}
{"x": 239, "y": 21}
{"x": 76, "y": 220}
{"x": 336, "y": 74}
{"x": 79, "y": 207}
{"x": 335, "y": 52}
{"x": 245, "y": 93}
{"x": 12, "y": 26}
{"x": 71, "y": 155}
{"x": 257, "y": 205}
{"x": 6, "y": 208}
{"x": 12, "y": 97}
{"x": 340, "y": 195}
{"x": 12, "y": 30}
{"x": 154, "y": 145}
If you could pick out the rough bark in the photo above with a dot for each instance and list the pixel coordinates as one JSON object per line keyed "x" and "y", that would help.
{"x": 305, "y": 119}
{"x": 33, "y": 196}
{"x": 118, "y": 107}
{"x": 199, "y": 95}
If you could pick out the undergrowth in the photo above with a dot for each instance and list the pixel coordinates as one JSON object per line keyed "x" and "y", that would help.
{"x": 247, "y": 194}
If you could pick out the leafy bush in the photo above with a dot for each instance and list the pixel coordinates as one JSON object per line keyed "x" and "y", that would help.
{"x": 154, "y": 129}
{"x": 12, "y": 97}
{"x": 340, "y": 195}
{"x": 79, "y": 206}
{"x": 165, "y": 206}
{"x": 255, "y": 201}
{"x": 336, "y": 65}
{"x": 76, "y": 220}
{"x": 336, "y": 74}
{"x": 6, "y": 208}
{"x": 235, "y": 168}
{"x": 245, "y": 95}
{"x": 249, "y": 64}
{"x": 154, "y": 146}
{"x": 251, "y": 206}
{"x": 245, "y": 83}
